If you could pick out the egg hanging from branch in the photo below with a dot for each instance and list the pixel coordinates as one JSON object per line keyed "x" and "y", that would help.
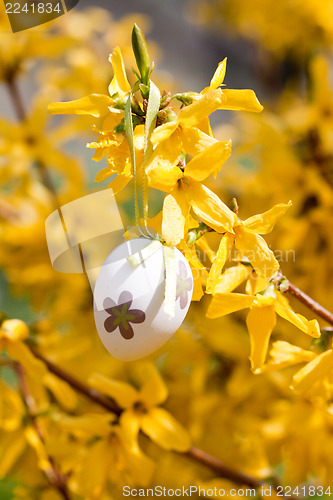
{"x": 129, "y": 301}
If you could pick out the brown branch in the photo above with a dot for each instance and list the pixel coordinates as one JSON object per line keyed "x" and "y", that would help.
{"x": 195, "y": 454}
{"x": 310, "y": 303}
{"x": 91, "y": 394}
{"x": 220, "y": 468}
{"x": 8, "y": 212}
{"x": 16, "y": 98}
{"x": 21, "y": 115}
{"x": 303, "y": 297}
{"x": 53, "y": 474}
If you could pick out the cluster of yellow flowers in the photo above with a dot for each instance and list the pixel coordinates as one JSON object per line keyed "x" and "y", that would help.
{"x": 185, "y": 153}
{"x": 299, "y": 27}
{"x": 199, "y": 389}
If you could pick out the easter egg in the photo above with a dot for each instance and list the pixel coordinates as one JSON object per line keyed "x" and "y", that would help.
{"x": 129, "y": 305}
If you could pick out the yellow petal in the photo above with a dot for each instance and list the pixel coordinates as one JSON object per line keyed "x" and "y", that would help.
{"x": 201, "y": 108}
{"x": 119, "y": 83}
{"x": 175, "y": 211}
{"x": 192, "y": 256}
{"x": 89, "y": 477}
{"x": 118, "y": 162}
{"x": 198, "y": 270}
{"x": 208, "y": 161}
{"x": 154, "y": 390}
{"x": 255, "y": 284}
{"x": 163, "y": 176}
{"x": 260, "y": 322}
{"x": 119, "y": 157}
{"x": 204, "y": 126}
{"x": 164, "y": 430}
{"x": 14, "y": 329}
{"x": 34, "y": 440}
{"x": 21, "y": 353}
{"x": 93, "y": 104}
{"x": 87, "y": 425}
{"x": 11, "y": 408}
{"x": 226, "y": 303}
{"x": 219, "y": 75}
{"x": 198, "y": 282}
{"x": 208, "y": 206}
{"x": 313, "y": 371}
{"x": 130, "y": 421}
{"x": 12, "y": 446}
{"x": 104, "y": 174}
{"x": 163, "y": 132}
{"x": 265, "y": 222}
{"x": 62, "y": 391}
{"x": 141, "y": 467}
{"x": 255, "y": 248}
{"x": 110, "y": 122}
{"x": 162, "y": 170}
{"x": 232, "y": 278}
{"x": 203, "y": 244}
{"x": 283, "y": 354}
{"x": 195, "y": 141}
{"x": 124, "y": 394}
{"x": 309, "y": 327}
{"x": 240, "y": 100}
{"x": 223, "y": 254}
{"x": 119, "y": 183}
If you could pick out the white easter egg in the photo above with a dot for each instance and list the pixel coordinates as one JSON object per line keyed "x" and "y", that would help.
{"x": 129, "y": 301}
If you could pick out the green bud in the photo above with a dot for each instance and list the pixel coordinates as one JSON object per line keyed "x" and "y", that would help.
{"x": 166, "y": 115}
{"x": 269, "y": 291}
{"x": 191, "y": 238}
{"x": 136, "y": 108}
{"x": 185, "y": 98}
{"x": 120, "y": 128}
{"x": 283, "y": 285}
{"x": 165, "y": 99}
{"x": 234, "y": 206}
{"x": 325, "y": 340}
{"x": 136, "y": 120}
{"x": 144, "y": 90}
{"x": 119, "y": 103}
{"x": 171, "y": 117}
{"x": 141, "y": 53}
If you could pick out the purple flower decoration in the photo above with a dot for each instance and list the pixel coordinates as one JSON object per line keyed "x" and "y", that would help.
{"x": 121, "y": 315}
{"x": 184, "y": 285}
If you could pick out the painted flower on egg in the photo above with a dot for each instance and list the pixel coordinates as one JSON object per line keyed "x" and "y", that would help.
{"x": 121, "y": 315}
{"x": 184, "y": 285}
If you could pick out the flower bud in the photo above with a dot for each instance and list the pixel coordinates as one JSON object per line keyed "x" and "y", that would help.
{"x": 141, "y": 53}
{"x": 14, "y": 329}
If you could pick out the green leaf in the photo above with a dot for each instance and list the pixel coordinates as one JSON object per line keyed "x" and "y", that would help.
{"x": 141, "y": 53}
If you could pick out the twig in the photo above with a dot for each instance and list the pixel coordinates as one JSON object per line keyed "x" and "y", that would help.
{"x": 21, "y": 115}
{"x": 195, "y": 234}
{"x": 196, "y": 454}
{"x": 8, "y": 212}
{"x": 95, "y": 396}
{"x": 55, "y": 477}
{"x": 220, "y": 468}
{"x": 16, "y": 98}
{"x": 304, "y": 298}
{"x": 310, "y": 303}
